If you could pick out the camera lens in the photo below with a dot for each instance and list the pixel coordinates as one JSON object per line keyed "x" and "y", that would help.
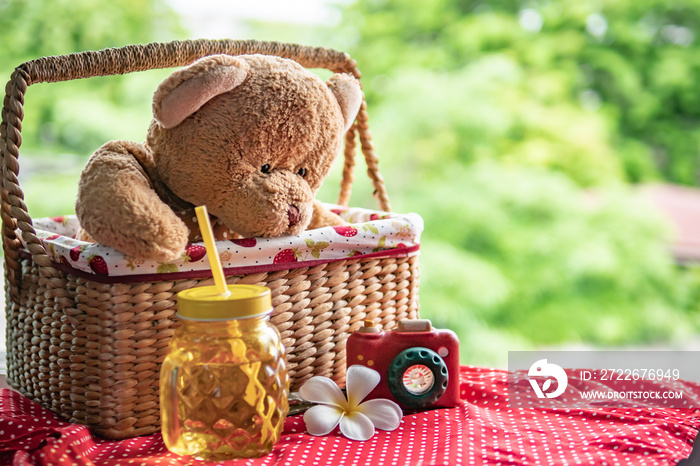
{"x": 417, "y": 377}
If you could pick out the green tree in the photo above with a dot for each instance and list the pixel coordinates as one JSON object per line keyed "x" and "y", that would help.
{"x": 632, "y": 65}
{"x": 493, "y": 120}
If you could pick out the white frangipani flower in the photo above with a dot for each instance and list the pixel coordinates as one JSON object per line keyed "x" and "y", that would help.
{"x": 357, "y": 420}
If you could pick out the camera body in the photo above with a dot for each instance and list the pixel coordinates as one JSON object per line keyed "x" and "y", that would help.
{"x": 419, "y": 365}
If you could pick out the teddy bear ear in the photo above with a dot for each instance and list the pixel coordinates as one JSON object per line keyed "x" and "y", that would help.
{"x": 186, "y": 90}
{"x": 348, "y": 93}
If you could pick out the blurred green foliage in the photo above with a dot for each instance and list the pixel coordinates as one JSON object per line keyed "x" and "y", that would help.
{"x": 517, "y": 251}
{"x": 516, "y": 129}
{"x": 619, "y": 74}
{"x": 77, "y": 117}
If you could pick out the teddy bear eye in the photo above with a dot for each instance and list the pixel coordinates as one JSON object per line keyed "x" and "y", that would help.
{"x": 302, "y": 172}
{"x": 265, "y": 168}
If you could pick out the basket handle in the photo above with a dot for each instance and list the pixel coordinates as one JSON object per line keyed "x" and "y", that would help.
{"x": 132, "y": 58}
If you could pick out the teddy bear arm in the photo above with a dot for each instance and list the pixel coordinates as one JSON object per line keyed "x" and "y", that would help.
{"x": 118, "y": 207}
{"x": 322, "y": 217}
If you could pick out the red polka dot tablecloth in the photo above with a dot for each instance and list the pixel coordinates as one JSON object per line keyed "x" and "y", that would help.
{"x": 482, "y": 430}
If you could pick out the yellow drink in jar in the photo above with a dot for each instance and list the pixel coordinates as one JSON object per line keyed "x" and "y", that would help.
{"x": 224, "y": 382}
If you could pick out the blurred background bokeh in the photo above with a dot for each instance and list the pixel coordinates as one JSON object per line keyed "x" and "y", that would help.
{"x": 552, "y": 147}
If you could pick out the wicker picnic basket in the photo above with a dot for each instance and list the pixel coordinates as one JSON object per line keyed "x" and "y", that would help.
{"x": 91, "y": 351}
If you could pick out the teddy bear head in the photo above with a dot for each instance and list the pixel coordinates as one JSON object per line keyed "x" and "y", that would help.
{"x": 252, "y": 137}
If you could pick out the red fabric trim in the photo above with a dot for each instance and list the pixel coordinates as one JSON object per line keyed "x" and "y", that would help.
{"x": 197, "y": 274}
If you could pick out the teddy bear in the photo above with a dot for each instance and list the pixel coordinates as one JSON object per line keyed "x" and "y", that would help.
{"x": 252, "y": 137}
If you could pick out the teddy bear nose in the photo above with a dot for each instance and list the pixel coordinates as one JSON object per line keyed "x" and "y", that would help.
{"x": 293, "y": 215}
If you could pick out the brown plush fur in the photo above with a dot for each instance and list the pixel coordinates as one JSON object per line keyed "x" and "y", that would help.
{"x": 251, "y": 137}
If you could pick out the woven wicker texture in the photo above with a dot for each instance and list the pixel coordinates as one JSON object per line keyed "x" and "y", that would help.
{"x": 91, "y": 352}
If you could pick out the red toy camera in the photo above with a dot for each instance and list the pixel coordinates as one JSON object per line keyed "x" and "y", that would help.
{"x": 419, "y": 365}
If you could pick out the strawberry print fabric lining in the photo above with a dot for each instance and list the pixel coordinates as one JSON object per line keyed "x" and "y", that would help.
{"x": 481, "y": 430}
{"x": 368, "y": 233}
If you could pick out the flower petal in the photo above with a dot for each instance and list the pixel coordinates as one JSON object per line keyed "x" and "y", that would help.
{"x": 360, "y": 380}
{"x": 322, "y": 419}
{"x": 356, "y": 426}
{"x": 384, "y": 414}
{"x": 322, "y": 390}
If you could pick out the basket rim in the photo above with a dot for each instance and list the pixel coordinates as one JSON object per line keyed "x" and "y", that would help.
{"x": 366, "y": 233}
{"x": 407, "y": 251}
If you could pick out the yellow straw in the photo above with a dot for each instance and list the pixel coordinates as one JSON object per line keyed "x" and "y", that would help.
{"x": 208, "y": 237}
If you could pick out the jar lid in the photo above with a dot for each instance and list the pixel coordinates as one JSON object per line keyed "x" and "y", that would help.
{"x": 205, "y": 303}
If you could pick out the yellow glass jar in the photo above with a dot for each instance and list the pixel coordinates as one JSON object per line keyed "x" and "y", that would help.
{"x": 224, "y": 383}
